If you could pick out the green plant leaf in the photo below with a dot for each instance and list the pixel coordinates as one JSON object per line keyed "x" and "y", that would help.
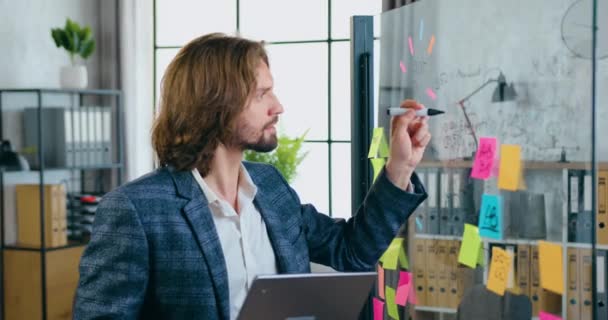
{"x": 286, "y": 157}
{"x": 85, "y": 34}
{"x": 87, "y": 48}
{"x": 56, "y": 33}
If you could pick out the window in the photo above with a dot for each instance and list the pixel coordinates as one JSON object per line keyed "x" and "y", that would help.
{"x": 308, "y": 48}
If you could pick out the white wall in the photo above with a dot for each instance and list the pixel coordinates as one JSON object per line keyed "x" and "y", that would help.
{"x": 28, "y": 56}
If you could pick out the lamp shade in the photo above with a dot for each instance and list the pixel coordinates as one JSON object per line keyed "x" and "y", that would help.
{"x": 10, "y": 160}
{"x": 503, "y": 91}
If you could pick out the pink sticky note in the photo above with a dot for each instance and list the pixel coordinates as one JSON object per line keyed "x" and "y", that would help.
{"x": 484, "y": 158}
{"x": 412, "y": 296}
{"x": 547, "y": 316}
{"x": 378, "y": 309}
{"x": 431, "y": 94}
{"x": 381, "y": 282}
{"x": 409, "y": 40}
{"x": 403, "y": 288}
{"x": 402, "y": 66}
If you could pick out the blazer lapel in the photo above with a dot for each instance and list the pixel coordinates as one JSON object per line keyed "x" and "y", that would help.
{"x": 199, "y": 216}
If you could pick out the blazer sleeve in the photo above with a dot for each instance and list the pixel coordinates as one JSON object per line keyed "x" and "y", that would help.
{"x": 356, "y": 244}
{"x": 114, "y": 266}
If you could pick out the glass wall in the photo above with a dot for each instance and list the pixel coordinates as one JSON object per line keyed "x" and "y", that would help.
{"x": 308, "y": 46}
{"x": 514, "y": 225}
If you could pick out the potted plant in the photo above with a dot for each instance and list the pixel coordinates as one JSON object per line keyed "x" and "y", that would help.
{"x": 286, "y": 157}
{"x": 76, "y": 41}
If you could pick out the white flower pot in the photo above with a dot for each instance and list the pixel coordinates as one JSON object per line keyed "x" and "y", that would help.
{"x": 73, "y": 77}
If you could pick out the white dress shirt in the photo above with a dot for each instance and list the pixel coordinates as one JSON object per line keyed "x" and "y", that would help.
{"x": 243, "y": 236}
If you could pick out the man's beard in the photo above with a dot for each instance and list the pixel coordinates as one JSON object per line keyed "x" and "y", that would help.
{"x": 263, "y": 144}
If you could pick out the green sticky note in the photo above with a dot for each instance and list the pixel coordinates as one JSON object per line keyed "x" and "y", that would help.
{"x": 391, "y": 304}
{"x": 391, "y": 256}
{"x": 383, "y": 151}
{"x": 469, "y": 249}
{"x": 403, "y": 262}
{"x": 377, "y": 165}
{"x": 481, "y": 258}
{"x": 378, "y": 147}
{"x": 375, "y": 144}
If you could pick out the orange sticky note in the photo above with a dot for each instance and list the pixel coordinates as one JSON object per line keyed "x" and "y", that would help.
{"x": 550, "y": 265}
{"x": 500, "y": 267}
{"x": 380, "y": 282}
{"x": 510, "y": 167}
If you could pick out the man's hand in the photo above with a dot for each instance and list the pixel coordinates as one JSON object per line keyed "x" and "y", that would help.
{"x": 409, "y": 137}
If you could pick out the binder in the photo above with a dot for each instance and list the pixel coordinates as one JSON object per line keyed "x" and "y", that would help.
{"x": 523, "y": 268}
{"x": 457, "y": 216}
{"x": 419, "y": 262}
{"x": 573, "y": 204}
{"x": 535, "y": 288}
{"x": 106, "y": 125}
{"x": 443, "y": 274}
{"x": 583, "y": 221}
{"x": 444, "y": 207}
{"x": 433, "y": 201}
{"x": 585, "y": 270}
{"x": 602, "y": 214}
{"x": 28, "y": 215}
{"x": 573, "y": 308}
{"x": 431, "y": 271}
{"x": 601, "y": 306}
{"x": 452, "y": 263}
{"x": 421, "y": 211}
{"x": 511, "y": 277}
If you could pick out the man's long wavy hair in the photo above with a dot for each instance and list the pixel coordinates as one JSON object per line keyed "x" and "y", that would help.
{"x": 203, "y": 90}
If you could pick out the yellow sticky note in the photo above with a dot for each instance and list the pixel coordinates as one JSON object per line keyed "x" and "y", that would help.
{"x": 510, "y": 167}
{"x": 551, "y": 267}
{"x": 499, "y": 271}
{"x": 391, "y": 304}
{"x": 378, "y": 147}
{"x": 377, "y": 165}
{"x": 391, "y": 255}
{"x": 403, "y": 262}
{"x": 469, "y": 248}
{"x": 481, "y": 258}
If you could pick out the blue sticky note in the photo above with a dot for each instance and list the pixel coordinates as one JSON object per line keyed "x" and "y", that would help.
{"x": 490, "y": 217}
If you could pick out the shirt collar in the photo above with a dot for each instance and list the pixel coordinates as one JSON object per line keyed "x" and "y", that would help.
{"x": 246, "y": 187}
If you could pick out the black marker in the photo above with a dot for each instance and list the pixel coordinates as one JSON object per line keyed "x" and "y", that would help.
{"x": 421, "y": 112}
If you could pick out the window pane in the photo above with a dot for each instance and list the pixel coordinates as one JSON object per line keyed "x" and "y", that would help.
{"x": 340, "y": 181}
{"x": 340, "y": 91}
{"x": 280, "y": 20}
{"x": 342, "y": 10}
{"x": 312, "y": 181}
{"x": 300, "y": 81}
{"x": 179, "y": 21}
{"x": 163, "y": 58}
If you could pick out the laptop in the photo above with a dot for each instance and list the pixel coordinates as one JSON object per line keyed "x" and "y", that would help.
{"x": 309, "y": 296}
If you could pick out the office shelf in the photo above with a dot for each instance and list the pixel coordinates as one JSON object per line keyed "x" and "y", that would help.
{"x": 436, "y": 309}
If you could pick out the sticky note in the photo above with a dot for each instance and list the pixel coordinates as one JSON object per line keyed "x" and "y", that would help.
{"x": 481, "y": 259}
{"x": 551, "y": 266}
{"x": 509, "y": 171}
{"x": 402, "y": 66}
{"x": 378, "y": 309}
{"x": 547, "y": 316}
{"x": 499, "y": 271}
{"x": 377, "y": 165}
{"x": 391, "y": 256}
{"x": 429, "y": 50}
{"x": 419, "y": 224}
{"x": 412, "y": 295}
{"x": 378, "y": 146}
{"x": 391, "y": 305}
{"x": 484, "y": 158}
{"x": 431, "y": 93}
{"x": 380, "y": 281}
{"x": 469, "y": 248}
{"x": 409, "y": 40}
{"x": 403, "y": 262}
{"x": 490, "y": 217}
{"x": 403, "y": 288}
